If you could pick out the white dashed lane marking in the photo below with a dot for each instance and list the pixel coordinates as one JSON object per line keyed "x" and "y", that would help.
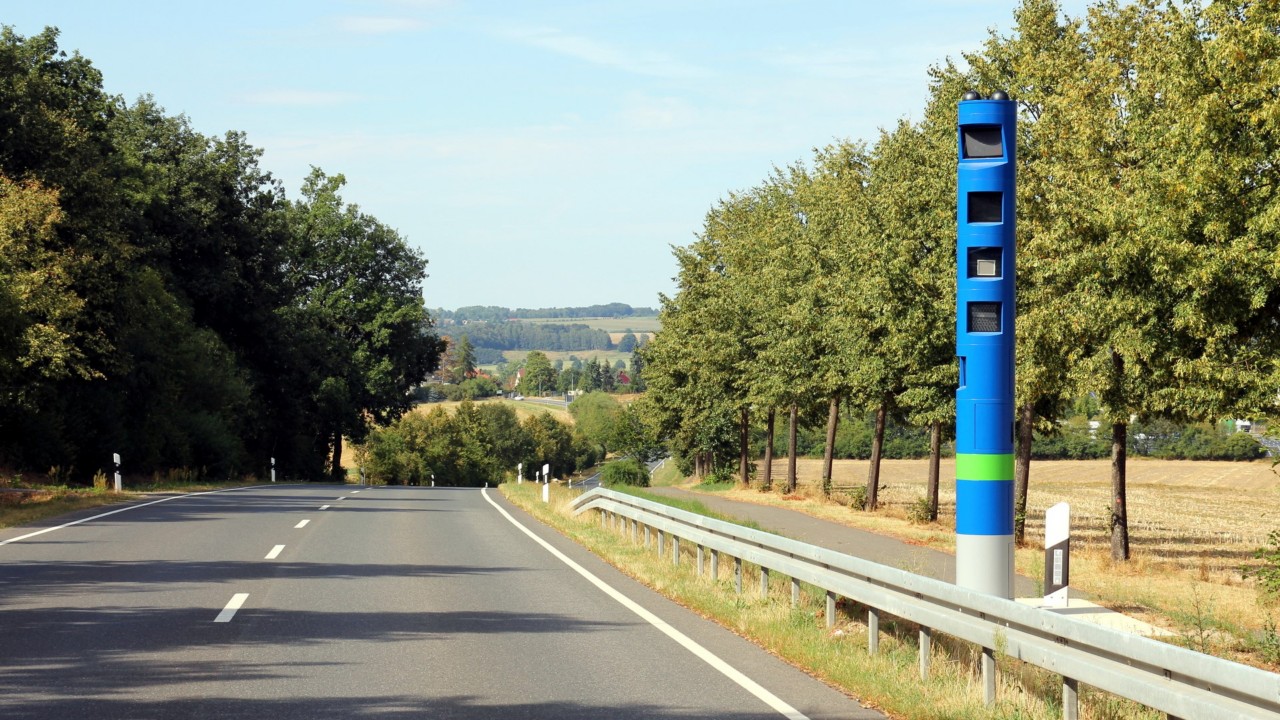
{"x": 228, "y": 612}
{"x": 301, "y": 524}
{"x": 275, "y": 553}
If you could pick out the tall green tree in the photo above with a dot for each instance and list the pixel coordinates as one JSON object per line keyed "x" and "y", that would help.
{"x": 359, "y": 294}
{"x": 539, "y": 376}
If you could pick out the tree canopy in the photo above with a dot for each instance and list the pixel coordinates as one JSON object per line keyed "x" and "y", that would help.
{"x": 161, "y": 298}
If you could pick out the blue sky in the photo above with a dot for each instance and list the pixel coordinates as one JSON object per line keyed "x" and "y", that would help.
{"x": 539, "y": 153}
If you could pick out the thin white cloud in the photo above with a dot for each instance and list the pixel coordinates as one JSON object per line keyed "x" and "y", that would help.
{"x": 370, "y": 25}
{"x": 598, "y": 53}
{"x": 656, "y": 113}
{"x": 298, "y": 98}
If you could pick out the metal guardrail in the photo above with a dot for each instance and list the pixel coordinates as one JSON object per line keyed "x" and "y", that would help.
{"x": 1172, "y": 679}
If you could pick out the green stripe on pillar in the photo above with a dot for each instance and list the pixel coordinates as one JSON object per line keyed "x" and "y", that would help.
{"x": 984, "y": 467}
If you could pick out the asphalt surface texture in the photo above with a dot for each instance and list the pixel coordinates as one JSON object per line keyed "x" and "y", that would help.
{"x": 842, "y": 538}
{"x": 314, "y": 601}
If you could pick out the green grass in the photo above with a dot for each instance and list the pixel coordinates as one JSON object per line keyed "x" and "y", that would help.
{"x": 667, "y": 475}
{"x": 692, "y": 506}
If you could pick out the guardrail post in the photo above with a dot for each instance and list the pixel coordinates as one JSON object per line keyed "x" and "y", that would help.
{"x": 635, "y": 530}
{"x": 926, "y": 647}
{"x": 715, "y": 565}
{"x": 1070, "y": 699}
{"x": 831, "y": 609}
{"x": 764, "y": 581}
{"x": 873, "y": 631}
{"x": 795, "y": 592}
{"x": 988, "y": 676}
{"x": 662, "y": 543}
{"x": 646, "y": 537}
{"x": 737, "y": 574}
{"x": 699, "y": 561}
{"x": 675, "y": 549}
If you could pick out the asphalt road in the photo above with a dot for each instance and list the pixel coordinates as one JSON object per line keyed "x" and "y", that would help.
{"x": 386, "y": 603}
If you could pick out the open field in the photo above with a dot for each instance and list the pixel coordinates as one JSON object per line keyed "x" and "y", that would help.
{"x": 636, "y": 324}
{"x": 609, "y": 356}
{"x": 1192, "y": 527}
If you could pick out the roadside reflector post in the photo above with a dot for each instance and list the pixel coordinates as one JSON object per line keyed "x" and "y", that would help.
{"x": 115, "y": 457}
{"x": 273, "y": 470}
{"x": 1057, "y": 555}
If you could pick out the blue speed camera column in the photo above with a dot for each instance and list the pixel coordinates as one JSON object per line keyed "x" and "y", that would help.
{"x": 984, "y": 344}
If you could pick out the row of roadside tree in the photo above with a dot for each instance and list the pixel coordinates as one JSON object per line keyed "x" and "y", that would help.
{"x": 1148, "y": 232}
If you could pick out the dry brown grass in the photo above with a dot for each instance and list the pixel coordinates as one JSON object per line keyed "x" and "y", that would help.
{"x": 1192, "y": 527}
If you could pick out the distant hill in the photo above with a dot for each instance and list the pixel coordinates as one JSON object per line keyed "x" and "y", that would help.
{"x": 496, "y": 314}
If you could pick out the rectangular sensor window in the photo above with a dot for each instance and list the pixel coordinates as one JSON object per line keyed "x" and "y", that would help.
{"x": 984, "y": 317}
{"x": 986, "y": 207}
{"x": 984, "y": 262}
{"x": 982, "y": 141}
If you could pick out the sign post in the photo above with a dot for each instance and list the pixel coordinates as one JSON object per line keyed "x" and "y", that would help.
{"x": 987, "y": 136}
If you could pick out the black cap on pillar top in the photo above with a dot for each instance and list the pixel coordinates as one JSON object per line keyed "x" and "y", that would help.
{"x": 971, "y": 95}
{"x": 999, "y": 95}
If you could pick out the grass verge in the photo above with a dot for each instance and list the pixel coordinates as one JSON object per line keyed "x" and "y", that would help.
{"x": 23, "y": 507}
{"x": 888, "y": 680}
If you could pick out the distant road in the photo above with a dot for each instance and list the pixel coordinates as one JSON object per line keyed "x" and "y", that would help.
{"x": 340, "y": 602}
{"x": 557, "y": 402}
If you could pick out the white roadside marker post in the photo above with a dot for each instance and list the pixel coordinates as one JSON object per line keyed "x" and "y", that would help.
{"x": 1057, "y": 555}
{"x": 273, "y": 469}
{"x": 115, "y": 457}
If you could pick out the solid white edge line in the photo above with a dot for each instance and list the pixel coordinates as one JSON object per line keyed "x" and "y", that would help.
{"x": 324, "y": 507}
{"x": 301, "y": 524}
{"x": 685, "y": 641}
{"x": 275, "y": 552}
{"x": 228, "y": 612}
{"x": 120, "y": 510}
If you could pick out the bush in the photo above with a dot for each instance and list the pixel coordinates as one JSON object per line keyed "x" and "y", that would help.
{"x": 628, "y": 471}
{"x": 1268, "y": 573}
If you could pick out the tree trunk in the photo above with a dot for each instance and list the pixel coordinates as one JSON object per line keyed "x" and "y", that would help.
{"x": 833, "y": 419}
{"x": 935, "y": 459}
{"x": 877, "y": 445}
{"x": 791, "y": 449}
{"x": 768, "y": 450}
{"x": 744, "y": 447}
{"x": 1022, "y": 472}
{"x": 336, "y": 469}
{"x": 1119, "y": 511}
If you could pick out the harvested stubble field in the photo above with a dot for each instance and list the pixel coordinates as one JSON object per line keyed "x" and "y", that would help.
{"x": 1192, "y": 527}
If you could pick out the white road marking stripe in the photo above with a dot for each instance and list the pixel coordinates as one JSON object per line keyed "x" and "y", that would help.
{"x": 324, "y": 507}
{"x": 353, "y": 492}
{"x": 301, "y": 524}
{"x": 685, "y": 641}
{"x": 229, "y": 611}
{"x": 275, "y": 553}
{"x": 113, "y": 512}
{"x": 344, "y": 497}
